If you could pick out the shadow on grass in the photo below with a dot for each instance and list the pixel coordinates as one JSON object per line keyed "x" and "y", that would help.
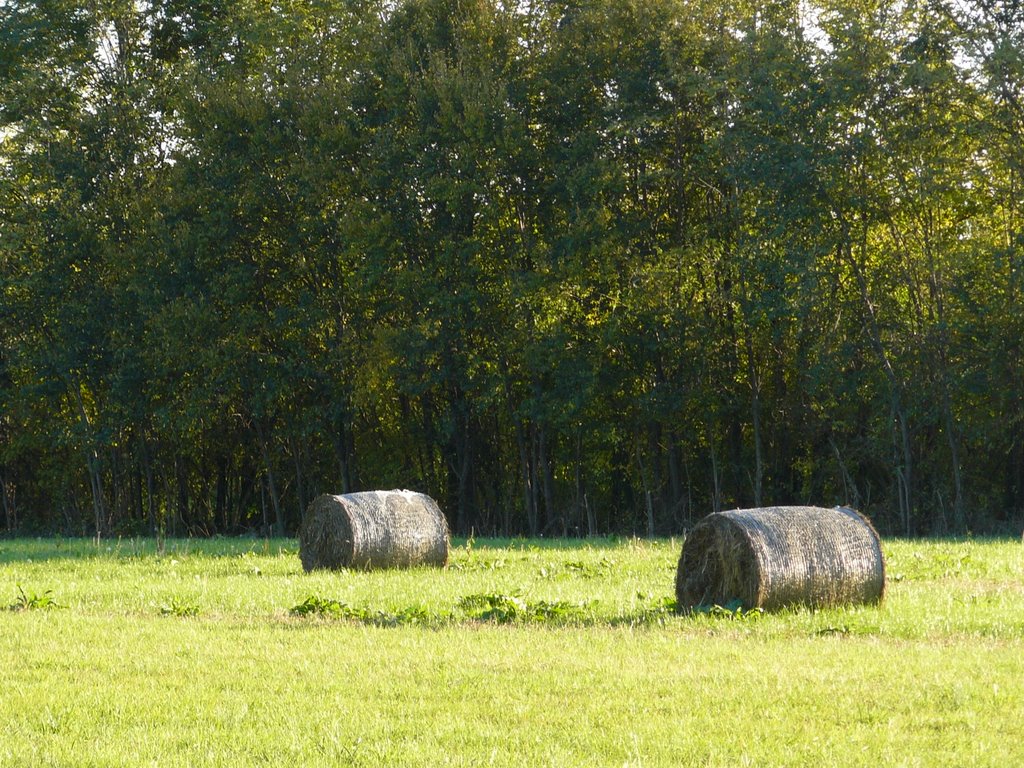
{"x": 24, "y": 550}
{"x": 41, "y": 549}
{"x": 520, "y": 544}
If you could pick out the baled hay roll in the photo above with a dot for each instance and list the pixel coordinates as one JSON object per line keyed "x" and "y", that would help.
{"x": 374, "y": 529}
{"x": 773, "y": 557}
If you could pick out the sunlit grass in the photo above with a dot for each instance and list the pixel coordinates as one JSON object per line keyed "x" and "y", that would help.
{"x": 520, "y": 653}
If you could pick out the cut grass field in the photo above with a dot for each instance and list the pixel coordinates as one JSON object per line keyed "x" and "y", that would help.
{"x": 561, "y": 653}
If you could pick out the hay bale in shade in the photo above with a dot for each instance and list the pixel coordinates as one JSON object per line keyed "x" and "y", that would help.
{"x": 375, "y": 529}
{"x": 778, "y": 556}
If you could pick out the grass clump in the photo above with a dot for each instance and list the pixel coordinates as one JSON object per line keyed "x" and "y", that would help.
{"x": 314, "y": 605}
{"x": 732, "y": 610}
{"x": 577, "y": 568}
{"x": 323, "y": 607}
{"x": 506, "y": 609}
{"x": 659, "y": 612}
{"x": 179, "y": 607}
{"x": 30, "y": 601}
{"x": 495, "y": 607}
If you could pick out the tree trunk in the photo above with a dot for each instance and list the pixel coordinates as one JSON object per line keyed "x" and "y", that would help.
{"x": 850, "y": 491}
{"x": 464, "y": 477}
{"x": 591, "y": 517}
{"x": 263, "y": 436}
{"x": 716, "y": 481}
{"x": 755, "y": 415}
{"x": 169, "y": 509}
{"x": 529, "y": 510}
{"x": 9, "y": 520}
{"x": 92, "y": 460}
{"x": 263, "y": 504}
{"x": 147, "y": 468}
{"x": 535, "y": 479}
{"x": 182, "y": 496}
{"x": 221, "y": 502}
{"x": 523, "y": 448}
{"x": 582, "y": 510}
{"x": 340, "y": 443}
{"x": 648, "y": 502}
{"x": 656, "y": 452}
{"x": 952, "y": 433}
{"x": 300, "y": 486}
{"x": 548, "y": 482}
{"x": 675, "y": 475}
{"x": 904, "y": 469}
{"x": 139, "y": 512}
{"x": 952, "y": 438}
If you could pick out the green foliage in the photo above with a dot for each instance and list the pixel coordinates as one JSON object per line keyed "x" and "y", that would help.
{"x": 582, "y": 569}
{"x": 657, "y": 613}
{"x": 505, "y": 609}
{"x": 587, "y": 570}
{"x": 179, "y": 607}
{"x": 479, "y": 564}
{"x": 570, "y": 268}
{"x": 731, "y": 610}
{"x": 27, "y": 601}
{"x": 470, "y": 560}
{"x": 494, "y": 607}
{"x": 314, "y": 605}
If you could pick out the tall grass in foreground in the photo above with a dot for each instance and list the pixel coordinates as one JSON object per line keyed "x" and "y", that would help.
{"x": 224, "y": 652}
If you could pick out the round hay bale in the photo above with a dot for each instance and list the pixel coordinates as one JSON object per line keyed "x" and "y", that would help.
{"x": 375, "y": 529}
{"x": 773, "y": 557}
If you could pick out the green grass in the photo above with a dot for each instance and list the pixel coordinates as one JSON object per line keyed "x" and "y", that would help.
{"x": 562, "y": 653}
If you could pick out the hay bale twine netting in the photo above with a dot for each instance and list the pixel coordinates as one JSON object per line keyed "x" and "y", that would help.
{"x": 773, "y": 557}
{"x": 374, "y": 529}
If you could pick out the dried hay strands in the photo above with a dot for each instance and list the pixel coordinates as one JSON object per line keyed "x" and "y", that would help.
{"x": 773, "y": 557}
{"x": 373, "y": 529}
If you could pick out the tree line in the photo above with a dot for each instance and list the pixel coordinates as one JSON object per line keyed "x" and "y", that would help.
{"x": 570, "y": 268}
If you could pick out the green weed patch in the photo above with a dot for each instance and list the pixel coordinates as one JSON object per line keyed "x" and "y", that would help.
{"x": 29, "y": 601}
